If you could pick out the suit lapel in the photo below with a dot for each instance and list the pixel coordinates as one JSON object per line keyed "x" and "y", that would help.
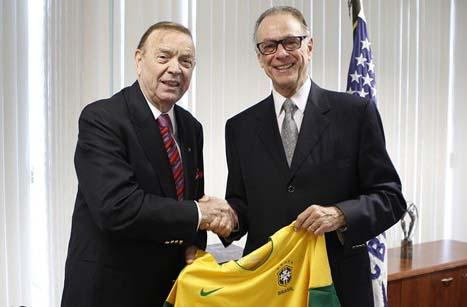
{"x": 313, "y": 125}
{"x": 186, "y": 148}
{"x": 268, "y": 132}
{"x": 150, "y": 138}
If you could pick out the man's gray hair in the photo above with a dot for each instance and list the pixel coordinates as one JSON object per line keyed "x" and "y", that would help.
{"x": 276, "y": 10}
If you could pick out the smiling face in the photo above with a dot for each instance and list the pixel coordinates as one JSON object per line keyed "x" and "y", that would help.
{"x": 288, "y": 70}
{"x": 164, "y": 66}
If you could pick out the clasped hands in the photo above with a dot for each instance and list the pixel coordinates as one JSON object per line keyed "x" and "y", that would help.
{"x": 217, "y": 216}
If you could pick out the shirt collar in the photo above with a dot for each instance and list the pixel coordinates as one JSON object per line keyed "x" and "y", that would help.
{"x": 156, "y": 112}
{"x": 299, "y": 98}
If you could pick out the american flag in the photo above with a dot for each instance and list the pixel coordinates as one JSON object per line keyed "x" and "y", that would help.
{"x": 361, "y": 82}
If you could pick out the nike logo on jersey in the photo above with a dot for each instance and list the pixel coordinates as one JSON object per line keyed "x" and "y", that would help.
{"x": 206, "y": 293}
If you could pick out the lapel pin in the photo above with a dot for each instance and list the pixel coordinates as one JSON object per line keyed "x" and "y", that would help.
{"x": 199, "y": 174}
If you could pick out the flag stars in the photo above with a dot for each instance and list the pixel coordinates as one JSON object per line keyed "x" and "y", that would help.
{"x": 367, "y": 80}
{"x": 361, "y": 79}
{"x": 362, "y": 92}
{"x": 366, "y": 44}
{"x": 371, "y": 66}
{"x": 355, "y": 77}
{"x": 361, "y": 59}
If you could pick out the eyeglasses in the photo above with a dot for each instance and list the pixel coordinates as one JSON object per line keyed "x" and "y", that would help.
{"x": 290, "y": 43}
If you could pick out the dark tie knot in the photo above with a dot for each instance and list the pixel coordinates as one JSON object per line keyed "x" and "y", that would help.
{"x": 164, "y": 121}
{"x": 289, "y": 107}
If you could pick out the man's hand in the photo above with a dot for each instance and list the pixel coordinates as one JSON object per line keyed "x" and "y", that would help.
{"x": 318, "y": 219}
{"x": 190, "y": 254}
{"x": 217, "y": 216}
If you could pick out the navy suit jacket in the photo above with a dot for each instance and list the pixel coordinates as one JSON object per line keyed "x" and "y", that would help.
{"x": 339, "y": 160}
{"x": 128, "y": 231}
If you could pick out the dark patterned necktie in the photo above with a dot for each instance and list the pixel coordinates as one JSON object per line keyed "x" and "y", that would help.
{"x": 165, "y": 126}
{"x": 289, "y": 133}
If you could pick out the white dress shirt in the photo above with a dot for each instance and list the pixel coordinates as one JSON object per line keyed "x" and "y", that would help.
{"x": 156, "y": 112}
{"x": 300, "y": 99}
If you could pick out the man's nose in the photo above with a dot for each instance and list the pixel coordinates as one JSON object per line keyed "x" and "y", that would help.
{"x": 174, "y": 67}
{"x": 281, "y": 52}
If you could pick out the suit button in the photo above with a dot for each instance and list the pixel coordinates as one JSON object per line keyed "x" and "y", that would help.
{"x": 290, "y": 189}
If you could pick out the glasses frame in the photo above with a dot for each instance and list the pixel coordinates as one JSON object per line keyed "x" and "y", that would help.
{"x": 281, "y": 41}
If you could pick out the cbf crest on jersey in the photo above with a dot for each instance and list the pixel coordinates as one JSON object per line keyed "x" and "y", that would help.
{"x": 284, "y": 274}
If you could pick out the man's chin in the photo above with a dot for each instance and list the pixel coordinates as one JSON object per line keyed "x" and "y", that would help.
{"x": 170, "y": 98}
{"x": 285, "y": 79}
{"x": 286, "y": 84}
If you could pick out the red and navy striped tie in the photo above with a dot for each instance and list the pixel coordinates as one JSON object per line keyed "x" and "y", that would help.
{"x": 165, "y": 126}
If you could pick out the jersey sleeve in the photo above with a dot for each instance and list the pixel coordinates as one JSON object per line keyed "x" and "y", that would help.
{"x": 170, "y": 301}
{"x": 321, "y": 291}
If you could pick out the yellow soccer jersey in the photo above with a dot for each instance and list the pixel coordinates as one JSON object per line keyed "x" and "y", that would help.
{"x": 291, "y": 270}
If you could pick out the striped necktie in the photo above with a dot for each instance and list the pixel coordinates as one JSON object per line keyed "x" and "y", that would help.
{"x": 165, "y": 126}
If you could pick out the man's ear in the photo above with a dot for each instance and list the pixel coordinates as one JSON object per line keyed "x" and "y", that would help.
{"x": 258, "y": 56}
{"x": 309, "y": 45}
{"x": 138, "y": 60}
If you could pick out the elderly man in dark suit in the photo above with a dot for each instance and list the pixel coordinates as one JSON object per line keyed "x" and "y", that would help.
{"x": 139, "y": 164}
{"x": 310, "y": 155}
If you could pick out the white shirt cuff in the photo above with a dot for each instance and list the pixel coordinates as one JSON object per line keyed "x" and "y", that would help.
{"x": 200, "y": 216}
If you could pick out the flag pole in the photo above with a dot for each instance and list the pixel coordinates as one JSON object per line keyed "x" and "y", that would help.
{"x": 355, "y": 6}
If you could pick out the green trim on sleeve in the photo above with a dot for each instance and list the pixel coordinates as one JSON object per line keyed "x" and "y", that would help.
{"x": 323, "y": 297}
{"x": 167, "y": 304}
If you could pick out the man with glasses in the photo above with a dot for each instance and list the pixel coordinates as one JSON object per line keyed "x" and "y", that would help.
{"x": 310, "y": 155}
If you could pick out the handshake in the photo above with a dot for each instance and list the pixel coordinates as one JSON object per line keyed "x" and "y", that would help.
{"x": 217, "y": 216}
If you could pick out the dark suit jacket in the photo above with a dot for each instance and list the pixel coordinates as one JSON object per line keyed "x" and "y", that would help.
{"x": 128, "y": 232}
{"x": 340, "y": 159}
